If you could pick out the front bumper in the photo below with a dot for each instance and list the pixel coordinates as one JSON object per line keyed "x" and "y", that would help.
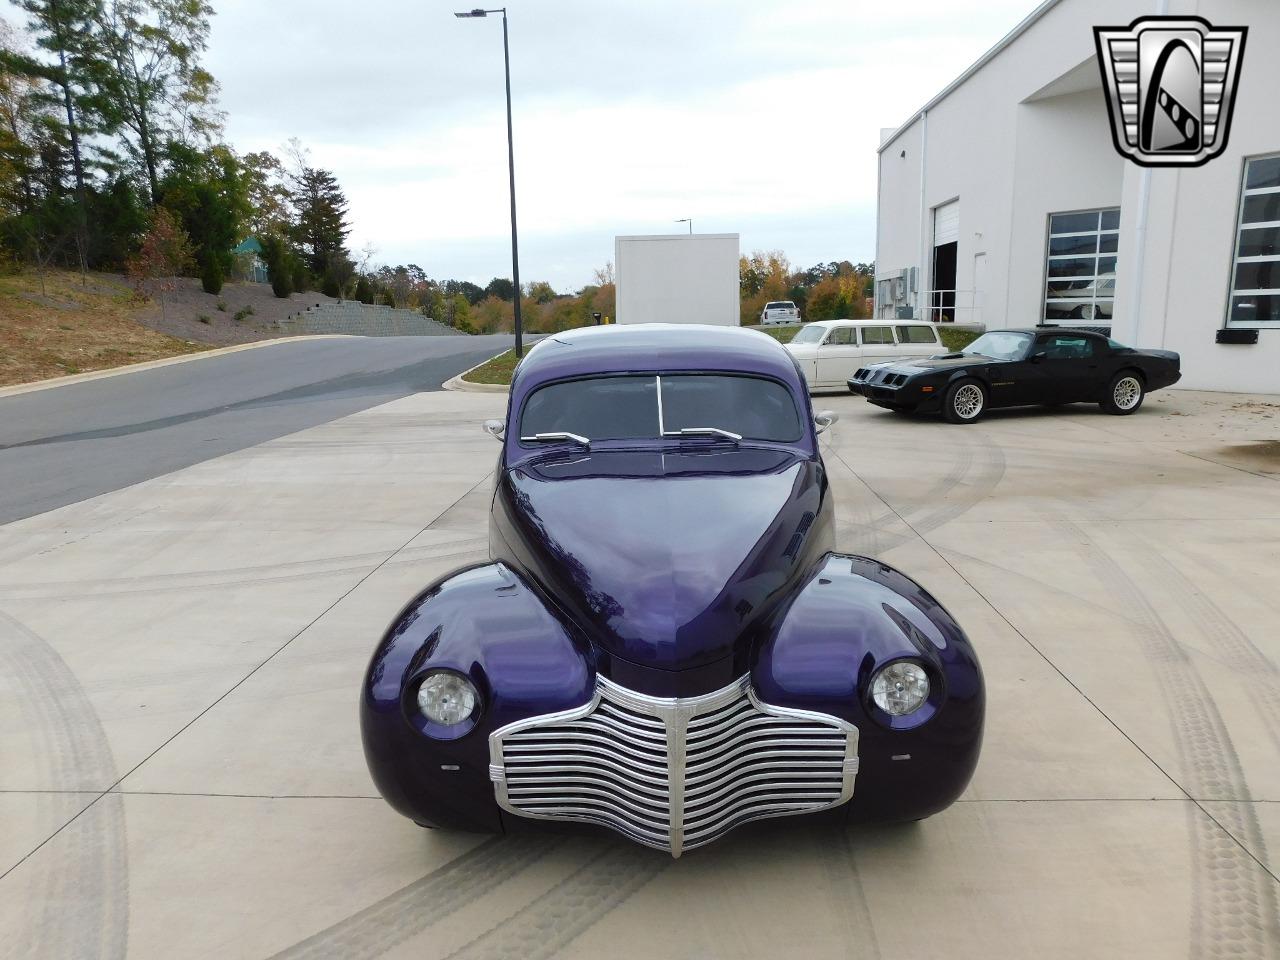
{"x": 895, "y": 391}
{"x": 673, "y": 773}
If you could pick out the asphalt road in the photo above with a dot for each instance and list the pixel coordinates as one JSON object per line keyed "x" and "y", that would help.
{"x": 70, "y": 443}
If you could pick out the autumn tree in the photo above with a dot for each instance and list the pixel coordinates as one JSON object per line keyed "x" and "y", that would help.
{"x": 165, "y": 253}
{"x": 151, "y": 86}
{"x": 539, "y": 291}
{"x": 266, "y": 193}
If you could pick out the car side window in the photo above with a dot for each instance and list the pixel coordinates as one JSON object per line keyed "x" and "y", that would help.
{"x": 916, "y": 333}
{"x": 842, "y": 336}
{"x": 1061, "y": 347}
{"x": 877, "y": 335}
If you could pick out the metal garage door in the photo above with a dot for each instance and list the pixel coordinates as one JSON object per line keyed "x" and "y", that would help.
{"x": 946, "y": 223}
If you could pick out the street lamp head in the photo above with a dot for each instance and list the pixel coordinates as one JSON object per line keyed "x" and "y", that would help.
{"x": 473, "y": 13}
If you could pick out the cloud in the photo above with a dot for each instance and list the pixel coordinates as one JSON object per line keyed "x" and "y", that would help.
{"x": 755, "y": 116}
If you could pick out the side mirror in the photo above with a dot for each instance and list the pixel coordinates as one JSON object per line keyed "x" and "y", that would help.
{"x": 824, "y": 419}
{"x": 495, "y": 428}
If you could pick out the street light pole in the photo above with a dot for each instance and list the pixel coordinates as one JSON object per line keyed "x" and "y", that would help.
{"x": 511, "y": 171}
{"x": 689, "y": 221}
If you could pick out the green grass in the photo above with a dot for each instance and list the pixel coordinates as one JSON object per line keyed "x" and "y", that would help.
{"x": 955, "y": 340}
{"x": 781, "y": 334}
{"x": 497, "y": 370}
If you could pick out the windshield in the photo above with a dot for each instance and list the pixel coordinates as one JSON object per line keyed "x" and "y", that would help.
{"x": 809, "y": 334}
{"x": 999, "y": 346}
{"x": 627, "y": 408}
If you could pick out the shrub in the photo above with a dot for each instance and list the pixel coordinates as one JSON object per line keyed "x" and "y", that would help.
{"x": 245, "y": 312}
{"x": 211, "y": 276}
{"x": 203, "y": 318}
{"x": 222, "y": 306}
{"x": 330, "y": 286}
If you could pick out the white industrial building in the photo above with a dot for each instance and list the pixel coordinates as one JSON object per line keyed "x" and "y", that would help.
{"x": 677, "y": 278}
{"x": 995, "y": 196}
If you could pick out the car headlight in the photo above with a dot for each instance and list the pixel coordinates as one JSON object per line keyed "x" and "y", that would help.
{"x": 447, "y": 698}
{"x": 900, "y": 688}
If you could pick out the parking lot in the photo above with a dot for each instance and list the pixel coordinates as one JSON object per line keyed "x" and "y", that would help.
{"x": 182, "y": 773}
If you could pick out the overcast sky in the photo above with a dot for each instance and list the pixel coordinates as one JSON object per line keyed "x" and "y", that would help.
{"x": 759, "y": 117}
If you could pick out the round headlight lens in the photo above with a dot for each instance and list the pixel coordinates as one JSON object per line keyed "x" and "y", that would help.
{"x": 447, "y": 698}
{"x": 900, "y": 688}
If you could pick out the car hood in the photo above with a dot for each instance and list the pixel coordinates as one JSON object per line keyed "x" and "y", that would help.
{"x": 946, "y": 361}
{"x": 664, "y": 559}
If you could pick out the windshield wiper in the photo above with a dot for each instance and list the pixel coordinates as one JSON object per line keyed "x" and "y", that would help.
{"x": 556, "y": 436}
{"x": 704, "y": 432}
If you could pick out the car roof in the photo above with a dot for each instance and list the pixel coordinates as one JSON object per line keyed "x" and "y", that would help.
{"x": 865, "y": 322}
{"x": 1074, "y": 331}
{"x": 645, "y": 347}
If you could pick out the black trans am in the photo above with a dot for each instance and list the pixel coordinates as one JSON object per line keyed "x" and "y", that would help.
{"x": 1011, "y": 368}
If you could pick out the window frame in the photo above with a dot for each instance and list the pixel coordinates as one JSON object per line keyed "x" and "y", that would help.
{"x": 932, "y": 330}
{"x": 517, "y": 447}
{"x": 1099, "y": 232}
{"x": 1242, "y": 196}
{"x": 862, "y": 335}
{"x": 1092, "y": 344}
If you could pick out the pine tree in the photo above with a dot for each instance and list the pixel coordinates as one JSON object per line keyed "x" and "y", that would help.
{"x": 63, "y": 29}
{"x": 321, "y": 227}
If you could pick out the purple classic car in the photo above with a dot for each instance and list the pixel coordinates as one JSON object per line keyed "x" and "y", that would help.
{"x": 664, "y": 641}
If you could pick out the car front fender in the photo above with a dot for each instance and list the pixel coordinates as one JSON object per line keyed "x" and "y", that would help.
{"x": 487, "y": 623}
{"x": 853, "y": 616}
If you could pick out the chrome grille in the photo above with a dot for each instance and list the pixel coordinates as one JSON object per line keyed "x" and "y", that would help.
{"x": 673, "y": 773}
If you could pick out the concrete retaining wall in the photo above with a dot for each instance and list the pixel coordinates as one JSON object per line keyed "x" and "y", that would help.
{"x": 363, "y": 320}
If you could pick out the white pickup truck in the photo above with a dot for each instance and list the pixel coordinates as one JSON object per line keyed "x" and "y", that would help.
{"x": 779, "y": 313}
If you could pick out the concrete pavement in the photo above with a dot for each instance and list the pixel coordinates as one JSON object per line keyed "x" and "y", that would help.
{"x": 182, "y": 774}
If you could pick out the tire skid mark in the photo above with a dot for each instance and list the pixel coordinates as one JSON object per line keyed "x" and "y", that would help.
{"x": 948, "y": 499}
{"x": 844, "y": 881}
{"x": 1260, "y": 676}
{"x": 1234, "y": 911}
{"x": 955, "y": 475}
{"x": 400, "y": 916}
{"x": 187, "y": 577}
{"x": 196, "y": 581}
{"x": 77, "y": 886}
{"x": 858, "y": 525}
{"x": 548, "y": 924}
{"x": 990, "y": 472}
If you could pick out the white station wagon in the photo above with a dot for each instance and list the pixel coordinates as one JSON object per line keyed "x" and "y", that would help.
{"x": 830, "y": 351}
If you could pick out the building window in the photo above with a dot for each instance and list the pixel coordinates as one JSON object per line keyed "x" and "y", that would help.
{"x": 1081, "y": 267}
{"x": 1255, "y": 273}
